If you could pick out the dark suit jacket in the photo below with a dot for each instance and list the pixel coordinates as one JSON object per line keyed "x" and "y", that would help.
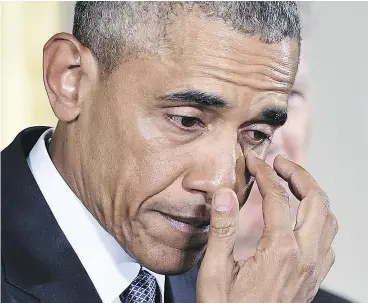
{"x": 37, "y": 262}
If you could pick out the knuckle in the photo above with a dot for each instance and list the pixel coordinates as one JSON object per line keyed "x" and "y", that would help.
{"x": 333, "y": 257}
{"x": 325, "y": 201}
{"x": 308, "y": 268}
{"x": 334, "y": 222}
{"x": 292, "y": 254}
{"x": 279, "y": 194}
{"x": 224, "y": 230}
{"x": 322, "y": 198}
{"x": 289, "y": 252}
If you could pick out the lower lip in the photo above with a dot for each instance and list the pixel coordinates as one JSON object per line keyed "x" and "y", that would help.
{"x": 187, "y": 228}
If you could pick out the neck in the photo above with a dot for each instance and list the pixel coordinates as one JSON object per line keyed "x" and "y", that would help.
{"x": 66, "y": 163}
{"x": 66, "y": 152}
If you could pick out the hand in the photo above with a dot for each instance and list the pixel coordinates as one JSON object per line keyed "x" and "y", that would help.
{"x": 289, "y": 265}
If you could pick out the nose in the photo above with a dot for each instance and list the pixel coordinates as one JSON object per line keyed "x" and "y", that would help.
{"x": 217, "y": 164}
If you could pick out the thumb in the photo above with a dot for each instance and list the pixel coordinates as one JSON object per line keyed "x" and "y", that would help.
{"x": 222, "y": 233}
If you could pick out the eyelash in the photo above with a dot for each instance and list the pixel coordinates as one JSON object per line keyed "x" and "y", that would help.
{"x": 266, "y": 137}
{"x": 199, "y": 122}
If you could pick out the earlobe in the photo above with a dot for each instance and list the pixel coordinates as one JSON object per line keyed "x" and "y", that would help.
{"x": 62, "y": 70}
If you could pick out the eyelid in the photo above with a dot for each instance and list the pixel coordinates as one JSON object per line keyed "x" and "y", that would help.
{"x": 247, "y": 138}
{"x": 268, "y": 135}
{"x": 185, "y": 111}
{"x": 263, "y": 128}
{"x": 196, "y": 127}
{"x": 267, "y": 130}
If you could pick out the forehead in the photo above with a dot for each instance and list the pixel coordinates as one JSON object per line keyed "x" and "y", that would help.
{"x": 224, "y": 59}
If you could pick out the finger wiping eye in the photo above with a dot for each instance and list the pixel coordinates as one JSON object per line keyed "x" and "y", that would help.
{"x": 276, "y": 208}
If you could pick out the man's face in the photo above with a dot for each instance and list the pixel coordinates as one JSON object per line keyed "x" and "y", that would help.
{"x": 163, "y": 133}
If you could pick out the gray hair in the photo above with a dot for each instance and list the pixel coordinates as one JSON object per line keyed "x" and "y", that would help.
{"x": 112, "y": 30}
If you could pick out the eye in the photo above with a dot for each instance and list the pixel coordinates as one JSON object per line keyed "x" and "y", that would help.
{"x": 256, "y": 136}
{"x": 186, "y": 122}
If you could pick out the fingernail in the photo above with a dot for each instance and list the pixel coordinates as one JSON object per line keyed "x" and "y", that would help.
{"x": 223, "y": 201}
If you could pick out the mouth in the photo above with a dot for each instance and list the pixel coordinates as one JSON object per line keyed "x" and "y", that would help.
{"x": 190, "y": 225}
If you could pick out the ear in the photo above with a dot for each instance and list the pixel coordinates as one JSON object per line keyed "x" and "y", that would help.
{"x": 66, "y": 64}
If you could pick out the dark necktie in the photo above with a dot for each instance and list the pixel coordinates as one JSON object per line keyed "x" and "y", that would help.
{"x": 143, "y": 289}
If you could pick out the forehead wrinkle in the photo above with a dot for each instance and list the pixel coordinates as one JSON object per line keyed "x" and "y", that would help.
{"x": 270, "y": 99}
{"x": 243, "y": 70}
{"x": 192, "y": 35}
{"x": 258, "y": 54}
{"x": 255, "y": 80}
{"x": 242, "y": 47}
{"x": 269, "y": 54}
{"x": 279, "y": 69}
{"x": 214, "y": 51}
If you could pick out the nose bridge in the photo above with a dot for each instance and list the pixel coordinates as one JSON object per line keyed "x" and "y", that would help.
{"x": 214, "y": 166}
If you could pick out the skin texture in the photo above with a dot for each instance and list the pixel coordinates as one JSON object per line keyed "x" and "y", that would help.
{"x": 291, "y": 140}
{"x": 122, "y": 148}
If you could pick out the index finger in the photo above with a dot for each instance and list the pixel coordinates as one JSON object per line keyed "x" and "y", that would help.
{"x": 314, "y": 205}
{"x": 301, "y": 183}
{"x": 276, "y": 207}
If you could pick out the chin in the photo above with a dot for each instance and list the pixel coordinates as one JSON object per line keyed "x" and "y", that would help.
{"x": 168, "y": 260}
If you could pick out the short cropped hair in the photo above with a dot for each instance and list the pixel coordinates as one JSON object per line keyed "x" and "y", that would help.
{"x": 112, "y": 30}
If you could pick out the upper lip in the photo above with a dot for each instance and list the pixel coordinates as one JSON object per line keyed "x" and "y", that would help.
{"x": 194, "y": 221}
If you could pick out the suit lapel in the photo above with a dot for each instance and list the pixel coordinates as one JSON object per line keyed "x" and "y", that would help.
{"x": 183, "y": 286}
{"x": 37, "y": 256}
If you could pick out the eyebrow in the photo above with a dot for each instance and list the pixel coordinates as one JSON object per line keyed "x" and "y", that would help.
{"x": 275, "y": 116}
{"x": 197, "y": 97}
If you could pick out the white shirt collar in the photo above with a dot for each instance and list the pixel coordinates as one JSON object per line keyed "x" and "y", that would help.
{"x": 109, "y": 267}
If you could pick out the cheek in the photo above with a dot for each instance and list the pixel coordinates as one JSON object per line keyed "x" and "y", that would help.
{"x": 143, "y": 178}
{"x": 152, "y": 171}
{"x": 157, "y": 172}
